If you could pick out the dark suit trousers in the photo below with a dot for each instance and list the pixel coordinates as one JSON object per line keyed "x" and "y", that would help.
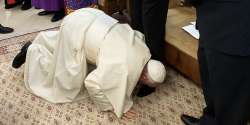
{"x": 226, "y": 86}
{"x": 149, "y": 17}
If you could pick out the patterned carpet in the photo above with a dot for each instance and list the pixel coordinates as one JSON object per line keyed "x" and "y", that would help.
{"x": 178, "y": 95}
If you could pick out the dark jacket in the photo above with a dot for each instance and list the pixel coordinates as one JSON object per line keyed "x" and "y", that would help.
{"x": 224, "y": 25}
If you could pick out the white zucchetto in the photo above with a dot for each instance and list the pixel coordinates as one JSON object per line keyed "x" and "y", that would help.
{"x": 156, "y": 70}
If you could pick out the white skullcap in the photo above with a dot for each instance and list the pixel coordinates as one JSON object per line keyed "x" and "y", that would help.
{"x": 156, "y": 70}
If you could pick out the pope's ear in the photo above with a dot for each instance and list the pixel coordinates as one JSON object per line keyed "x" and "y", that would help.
{"x": 144, "y": 77}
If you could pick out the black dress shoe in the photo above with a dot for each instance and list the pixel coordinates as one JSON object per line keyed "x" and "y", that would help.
{"x": 20, "y": 58}
{"x": 59, "y": 15}
{"x": 187, "y": 120}
{"x": 145, "y": 90}
{"x": 11, "y": 5}
{"x": 5, "y": 29}
{"x": 26, "y": 5}
{"x": 43, "y": 13}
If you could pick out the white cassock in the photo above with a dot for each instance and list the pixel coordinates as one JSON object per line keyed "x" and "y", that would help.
{"x": 56, "y": 62}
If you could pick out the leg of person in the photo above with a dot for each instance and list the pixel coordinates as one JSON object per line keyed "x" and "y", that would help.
{"x": 136, "y": 15}
{"x": 154, "y": 15}
{"x": 55, "y": 66}
{"x": 38, "y": 58}
{"x": 229, "y": 82}
{"x": 43, "y": 13}
{"x": 58, "y": 15}
{"x": 41, "y": 4}
{"x": 26, "y": 5}
{"x": 43, "y": 57}
{"x": 59, "y": 8}
{"x": 208, "y": 112}
{"x": 41, "y": 40}
{"x": 10, "y": 5}
{"x": 37, "y": 70}
{"x": 137, "y": 24}
{"x": 48, "y": 40}
{"x": 50, "y": 6}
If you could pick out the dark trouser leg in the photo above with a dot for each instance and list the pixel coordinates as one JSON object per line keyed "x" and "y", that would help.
{"x": 149, "y": 17}
{"x": 227, "y": 91}
{"x": 58, "y": 15}
{"x": 208, "y": 112}
{"x": 26, "y": 5}
{"x": 136, "y": 15}
{"x": 20, "y": 1}
{"x": 154, "y": 15}
{"x": 137, "y": 24}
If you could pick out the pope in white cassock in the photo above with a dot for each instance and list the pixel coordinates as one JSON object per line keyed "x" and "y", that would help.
{"x": 56, "y": 63}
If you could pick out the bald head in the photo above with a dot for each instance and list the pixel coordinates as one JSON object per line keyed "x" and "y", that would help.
{"x": 153, "y": 74}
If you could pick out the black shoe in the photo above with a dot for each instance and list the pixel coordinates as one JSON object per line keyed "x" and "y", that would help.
{"x": 20, "y": 58}
{"x": 43, "y": 13}
{"x": 121, "y": 12}
{"x": 187, "y": 120}
{"x": 59, "y": 15}
{"x": 11, "y": 5}
{"x": 26, "y": 5}
{"x": 145, "y": 90}
{"x": 5, "y": 29}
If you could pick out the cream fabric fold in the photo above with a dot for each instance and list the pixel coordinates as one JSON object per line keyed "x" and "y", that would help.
{"x": 95, "y": 92}
{"x": 123, "y": 55}
{"x": 56, "y": 65}
{"x": 95, "y": 37}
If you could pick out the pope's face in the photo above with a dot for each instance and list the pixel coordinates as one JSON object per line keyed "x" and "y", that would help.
{"x": 145, "y": 81}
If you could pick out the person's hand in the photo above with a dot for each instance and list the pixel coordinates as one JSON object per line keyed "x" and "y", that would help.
{"x": 130, "y": 114}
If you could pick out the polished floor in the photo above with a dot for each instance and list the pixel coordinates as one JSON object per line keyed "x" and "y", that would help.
{"x": 24, "y": 21}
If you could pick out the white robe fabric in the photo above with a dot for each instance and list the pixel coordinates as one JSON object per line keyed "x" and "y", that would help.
{"x": 123, "y": 55}
{"x": 55, "y": 67}
{"x": 56, "y": 62}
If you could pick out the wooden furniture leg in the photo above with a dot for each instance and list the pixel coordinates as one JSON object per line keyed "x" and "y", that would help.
{"x": 128, "y": 8}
